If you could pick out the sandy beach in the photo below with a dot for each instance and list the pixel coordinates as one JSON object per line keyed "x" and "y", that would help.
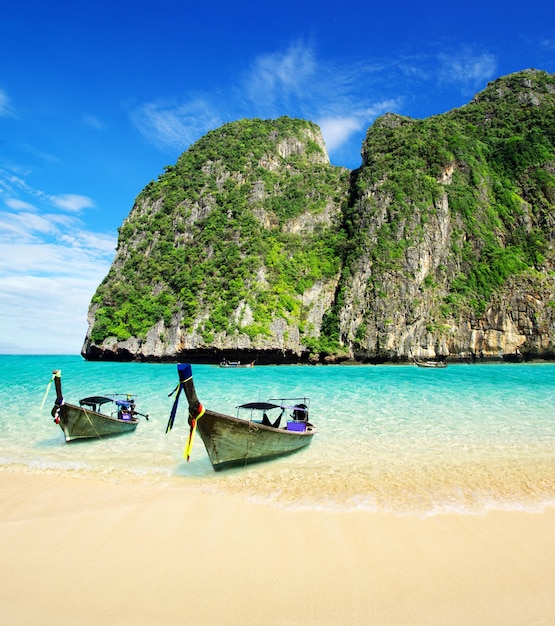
{"x": 80, "y": 551}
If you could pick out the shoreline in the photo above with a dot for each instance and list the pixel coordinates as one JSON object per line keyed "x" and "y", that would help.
{"x": 381, "y": 493}
{"x": 261, "y": 361}
{"x": 85, "y": 551}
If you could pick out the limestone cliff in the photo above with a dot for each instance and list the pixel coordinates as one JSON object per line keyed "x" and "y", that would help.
{"x": 235, "y": 250}
{"x": 254, "y": 246}
{"x": 455, "y": 230}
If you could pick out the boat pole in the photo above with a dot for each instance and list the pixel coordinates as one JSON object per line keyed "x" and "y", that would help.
{"x": 57, "y": 374}
{"x": 196, "y": 410}
{"x": 186, "y": 384}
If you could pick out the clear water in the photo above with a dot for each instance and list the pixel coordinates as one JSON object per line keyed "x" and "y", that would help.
{"x": 468, "y": 438}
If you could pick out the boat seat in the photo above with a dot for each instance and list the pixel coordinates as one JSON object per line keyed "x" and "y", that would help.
{"x": 94, "y": 402}
{"x": 266, "y": 421}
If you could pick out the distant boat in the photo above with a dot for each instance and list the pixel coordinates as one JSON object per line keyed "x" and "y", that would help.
{"x": 261, "y": 430}
{"x": 226, "y": 363}
{"x": 87, "y": 421}
{"x": 515, "y": 357}
{"x": 436, "y": 364}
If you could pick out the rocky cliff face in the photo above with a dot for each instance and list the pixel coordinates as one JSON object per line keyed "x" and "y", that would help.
{"x": 254, "y": 246}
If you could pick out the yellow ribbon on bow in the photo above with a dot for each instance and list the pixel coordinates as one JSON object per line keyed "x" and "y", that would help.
{"x": 192, "y": 430}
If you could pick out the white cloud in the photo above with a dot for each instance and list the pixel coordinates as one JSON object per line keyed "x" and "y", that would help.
{"x": 9, "y": 182}
{"x": 15, "y": 185}
{"x": 68, "y": 256}
{"x": 50, "y": 267}
{"x": 338, "y": 130}
{"x": 71, "y": 202}
{"x": 24, "y": 225}
{"x": 45, "y": 315}
{"x": 17, "y": 205}
{"x": 103, "y": 244}
{"x": 467, "y": 69}
{"x": 340, "y": 97}
{"x": 46, "y": 289}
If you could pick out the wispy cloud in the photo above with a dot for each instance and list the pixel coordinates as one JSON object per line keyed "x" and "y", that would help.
{"x": 275, "y": 78}
{"x": 467, "y": 69}
{"x": 24, "y": 226}
{"x": 5, "y": 106}
{"x": 13, "y": 186}
{"x": 293, "y": 81}
{"x": 548, "y": 44}
{"x": 343, "y": 97}
{"x": 93, "y": 122}
{"x": 174, "y": 126}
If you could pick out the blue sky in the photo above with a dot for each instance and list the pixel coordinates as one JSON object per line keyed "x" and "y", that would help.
{"x": 96, "y": 98}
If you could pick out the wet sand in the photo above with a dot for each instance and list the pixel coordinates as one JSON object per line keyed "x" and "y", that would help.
{"x": 79, "y": 551}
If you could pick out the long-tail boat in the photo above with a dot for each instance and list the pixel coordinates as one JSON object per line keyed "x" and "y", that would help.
{"x": 235, "y": 364}
{"x": 91, "y": 419}
{"x": 430, "y": 364}
{"x": 271, "y": 429}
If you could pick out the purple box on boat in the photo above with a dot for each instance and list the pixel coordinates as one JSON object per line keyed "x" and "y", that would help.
{"x": 296, "y": 426}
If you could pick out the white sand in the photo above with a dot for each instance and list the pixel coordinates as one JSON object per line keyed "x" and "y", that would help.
{"x": 80, "y": 552}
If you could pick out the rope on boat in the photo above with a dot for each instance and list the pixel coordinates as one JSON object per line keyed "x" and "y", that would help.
{"x": 253, "y": 427}
{"x": 90, "y": 422}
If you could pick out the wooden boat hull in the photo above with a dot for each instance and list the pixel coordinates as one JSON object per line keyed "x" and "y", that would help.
{"x": 80, "y": 423}
{"x": 232, "y": 441}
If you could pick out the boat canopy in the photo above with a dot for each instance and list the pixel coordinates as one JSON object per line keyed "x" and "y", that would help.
{"x": 95, "y": 401}
{"x": 259, "y": 406}
{"x": 298, "y": 406}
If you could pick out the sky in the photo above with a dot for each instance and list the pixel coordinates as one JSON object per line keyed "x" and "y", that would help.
{"x": 97, "y": 98}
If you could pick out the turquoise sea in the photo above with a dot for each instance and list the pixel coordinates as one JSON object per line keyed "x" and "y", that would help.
{"x": 467, "y": 439}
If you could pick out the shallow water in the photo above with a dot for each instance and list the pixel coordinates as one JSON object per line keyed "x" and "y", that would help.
{"x": 468, "y": 438}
